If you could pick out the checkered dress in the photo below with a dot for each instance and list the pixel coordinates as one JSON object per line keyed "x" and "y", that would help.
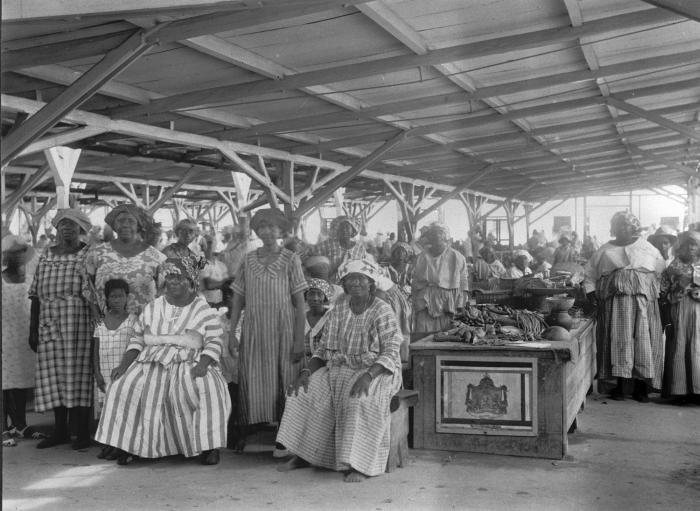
{"x": 64, "y": 363}
{"x": 113, "y": 344}
{"x": 336, "y": 254}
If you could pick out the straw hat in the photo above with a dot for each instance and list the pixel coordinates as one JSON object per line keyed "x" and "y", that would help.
{"x": 664, "y": 231}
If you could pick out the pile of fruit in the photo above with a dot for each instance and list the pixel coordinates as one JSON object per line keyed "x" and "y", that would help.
{"x": 494, "y": 325}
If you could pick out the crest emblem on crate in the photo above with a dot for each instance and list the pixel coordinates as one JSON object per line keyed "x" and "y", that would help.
{"x": 486, "y": 398}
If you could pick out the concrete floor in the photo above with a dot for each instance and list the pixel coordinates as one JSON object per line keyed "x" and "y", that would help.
{"x": 625, "y": 455}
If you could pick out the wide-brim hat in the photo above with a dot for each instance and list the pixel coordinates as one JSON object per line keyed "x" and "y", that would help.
{"x": 664, "y": 231}
{"x": 686, "y": 236}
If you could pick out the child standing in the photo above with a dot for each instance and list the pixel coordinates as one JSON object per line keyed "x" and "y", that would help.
{"x": 111, "y": 338}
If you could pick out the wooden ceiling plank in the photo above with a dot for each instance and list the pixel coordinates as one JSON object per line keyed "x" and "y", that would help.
{"x": 224, "y": 94}
{"x": 660, "y": 159}
{"x": 78, "y": 92}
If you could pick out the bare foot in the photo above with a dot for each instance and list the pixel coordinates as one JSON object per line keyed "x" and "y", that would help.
{"x": 354, "y": 477}
{"x": 294, "y": 463}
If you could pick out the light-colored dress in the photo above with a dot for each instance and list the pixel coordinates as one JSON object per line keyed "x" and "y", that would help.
{"x": 18, "y": 359}
{"x": 215, "y": 270}
{"x": 64, "y": 354}
{"x": 113, "y": 345}
{"x": 682, "y": 364}
{"x": 325, "y": 426}
{"x": 267, "y": 334}
{"x": 156, "y": 408}
{"x": 629, "y": 333}
{"x": 139, "y": 271}
{"x": 437, "y": 288}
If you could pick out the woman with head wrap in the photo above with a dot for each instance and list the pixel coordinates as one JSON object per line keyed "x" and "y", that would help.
{"x": 680, "y": 287}
{"x": 340, "y": 245}
{"x": 401, "y": 264}
{"x": 337, "y": 413}
{"x": 270, "y": 286}
{"x": 168, "y": 395}
{"x": 128, "y": 257}
{"x": 440, "y": 282}
{"x": 521, "y": 265}
{"x": 622, "y": 277}
{"x": 60, "y": 331}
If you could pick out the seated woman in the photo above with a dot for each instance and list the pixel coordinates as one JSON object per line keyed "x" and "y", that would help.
{"x": 340, "y": 420}
{"x": 487, "y": 266}
{"x": 168, "y": 395}
{"x": 520, "y": 268}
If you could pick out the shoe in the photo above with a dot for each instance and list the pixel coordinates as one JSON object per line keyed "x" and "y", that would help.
{"x": 211, "y": 457}
{"x": 281, "y": 453}
{"x": 617, "y": 394}
{"x": 52, "y": 442}
{"x": 104, "y": 452}
{"x": 126, "y": 458}
{"x": 79, "y": 445}
{"x": 640, "y": 392}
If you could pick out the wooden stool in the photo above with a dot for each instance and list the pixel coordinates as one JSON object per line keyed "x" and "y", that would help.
{"x": 398, "y": 433}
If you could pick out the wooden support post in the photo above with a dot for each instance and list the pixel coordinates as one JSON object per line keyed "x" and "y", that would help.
{"x": 693, "y": 188}
{"x": 30, "y": 182}
{"x": 242, "y": 183}
{"x": 688, "y": 8}
{"x": 62, "y": 161}
{"x": 510, "y": 208}
{"x": 651, "y": 116}
{"x": 528, "y": 212}
{"x": 113, "y": 63}
{"x": 35, "y": 213}
{"x": 129, "y": 193}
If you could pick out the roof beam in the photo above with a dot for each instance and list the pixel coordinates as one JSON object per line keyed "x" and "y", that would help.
{"x": 224, "y": 94}
{"x": 650, "y": 116}
{"x": 687, "y": 8}
{"x": 82, "y": 89}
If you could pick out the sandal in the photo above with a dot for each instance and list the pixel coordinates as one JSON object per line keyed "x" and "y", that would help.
{"x": 126, "y": 458}
{"x": 9, "y": 442}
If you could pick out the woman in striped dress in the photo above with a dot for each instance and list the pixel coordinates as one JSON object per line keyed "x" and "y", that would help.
{"x": 682, "y": 368}
{"x": 270, "y": 285}
{"x": 622, "y": 278}
{"x": 168, "y": 395}
{"x": 341, "y": 419}
{"x": 60, "y": 331}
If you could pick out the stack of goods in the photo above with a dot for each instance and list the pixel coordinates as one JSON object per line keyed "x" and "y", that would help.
{"x": 494, "y": 325}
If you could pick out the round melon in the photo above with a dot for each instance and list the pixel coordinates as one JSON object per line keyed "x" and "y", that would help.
{"x": 556, "y": 333}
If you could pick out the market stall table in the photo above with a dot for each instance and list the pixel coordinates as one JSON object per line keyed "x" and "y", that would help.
{"x": 516, "y": 399}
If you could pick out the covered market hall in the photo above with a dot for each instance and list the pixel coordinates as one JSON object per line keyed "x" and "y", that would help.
{"x": 358, "y": 254}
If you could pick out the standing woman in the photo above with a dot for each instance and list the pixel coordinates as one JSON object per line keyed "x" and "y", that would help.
{"x": 60, "y": 331}
{"x": 128, "y": 257}
{"x": 682, "y": 290}
{"x": 270, "y": 285}
{"x": 622, "y": 277}
{"x": 340, "y": 245}
{"x": 440, "y": 283}
{"x": 186, "y": 231}
{"x": 18, "y": 360}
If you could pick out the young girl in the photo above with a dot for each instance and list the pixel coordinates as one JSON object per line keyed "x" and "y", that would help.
{"x": 111, "y": 339}
{"x": 318, "y": 296}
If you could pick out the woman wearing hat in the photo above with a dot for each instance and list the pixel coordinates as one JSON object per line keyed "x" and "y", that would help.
{"x": 340, "y": 245}
{"x": 18, "y": 360}
{"x": 680, "y": 286}
{"x": 565, "y": 252}
{"x": 270, "y": 286}
{"x": 440, "y": 282}
{"x": 60, "y": 331}
{"x": 622, "y": 277}
{"x": 128, "y": 257}
{"x": 168, "y": 395}
{"x": 663, "y": 239}
{"x": 337, "y": 413}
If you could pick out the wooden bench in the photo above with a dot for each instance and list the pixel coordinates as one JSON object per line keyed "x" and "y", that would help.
{"x": 398, "y": 432}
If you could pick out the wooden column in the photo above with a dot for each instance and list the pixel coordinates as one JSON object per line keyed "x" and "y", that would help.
{"x": 35, "y": 212}
{"x": 62, "y": 162}
{"x": 693, "y": 200}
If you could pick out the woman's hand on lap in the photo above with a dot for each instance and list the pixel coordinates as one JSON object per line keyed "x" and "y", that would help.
{"x": 301, "y": 381}
{"x": 199, "y": 370}
{"x": 361, "y": 386}
{"x": 118, "y": 371}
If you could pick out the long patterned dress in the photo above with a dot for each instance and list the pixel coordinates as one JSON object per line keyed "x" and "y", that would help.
{"x": 18, "y": 359}
{"x": 113, "y": 345}
{"x": 629, "y": 334}
{"x": 139, "y": 271}
{"x": 267, "y": 334}
{"x": 64, "y": 362}
{"x": 156, "y": 408}
{"x": 325, "y": 426}
{"x": 437, "y": 289}
{"x": 682, "y": 364}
